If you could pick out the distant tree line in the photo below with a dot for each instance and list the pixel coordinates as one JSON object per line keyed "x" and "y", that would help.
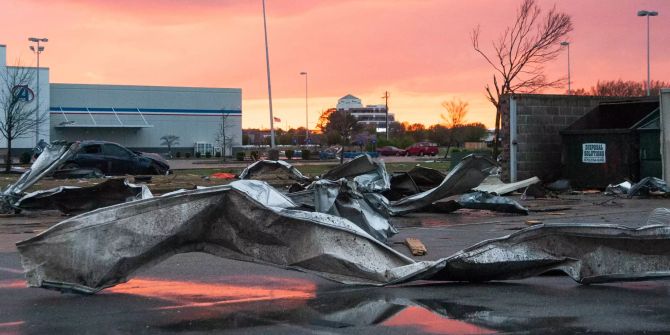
{"x": 622, "y": 88}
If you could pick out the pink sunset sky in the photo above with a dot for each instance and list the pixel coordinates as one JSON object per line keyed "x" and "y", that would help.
{"x": 418, "y": 50}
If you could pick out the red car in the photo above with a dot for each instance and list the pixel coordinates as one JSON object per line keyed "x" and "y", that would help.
{"x": 422, "y": 148}
{"x": 391, "y": 151}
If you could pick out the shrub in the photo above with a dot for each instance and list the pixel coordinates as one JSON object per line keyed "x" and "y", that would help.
{"x": 306, "y": 154}
{"x": 198, "y": 154}
{"x": 254, "y": 155}
{"x": 208, "y": 155}
{"x": 25, "y": 158}
{"x": 289, "y": 154}
{"x": 187, "y": 155}
{"x": 178, "y": 154}
{"x": 239, "y": 155}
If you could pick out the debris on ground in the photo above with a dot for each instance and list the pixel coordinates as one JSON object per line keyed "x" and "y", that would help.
{"x": 72, "y": 199}
{"x": 51, "y": 158}
{"x": 649, "y": 186}
{"x": 559, "y": 186}
{"x": 645, "y": 187}
{"x": 335, "y": 227}
{"x": 223, "y": 175}
{"x": 416, "y": 247}
{"x": 263, "y": 226}
{"x": 492, "y": 184}
{"x": 267, "y": 169}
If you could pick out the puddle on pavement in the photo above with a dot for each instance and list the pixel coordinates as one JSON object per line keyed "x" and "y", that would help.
{"x": 260, "y": 304}
{"x": 188, "y": 294}
{"x": 428, "y": 322}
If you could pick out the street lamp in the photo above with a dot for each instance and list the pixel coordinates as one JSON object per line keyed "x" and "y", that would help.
{"x": 648, "y": 13}
{"x": 567, "y": 44}
{"x": 37, "y": 50}
{"x": 306, "y": 109}
{"x": 267, "y": 62}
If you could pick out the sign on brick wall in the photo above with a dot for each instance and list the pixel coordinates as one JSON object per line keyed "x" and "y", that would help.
{"x": 593, "y": 152}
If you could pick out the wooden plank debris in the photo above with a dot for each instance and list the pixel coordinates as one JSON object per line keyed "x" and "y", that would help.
{"x": 416, "y": 246}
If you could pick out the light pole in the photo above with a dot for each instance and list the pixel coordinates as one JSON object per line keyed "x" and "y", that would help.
{"x": 567, "y": 44}
{"x": 648, "y": 13}
{"x": 267, "y": 62}
{"x": 37, "y": 50}
{"x": 306, "y": 109}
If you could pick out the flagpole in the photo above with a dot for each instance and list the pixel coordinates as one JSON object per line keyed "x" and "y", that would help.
{"x": 267, "y": 62}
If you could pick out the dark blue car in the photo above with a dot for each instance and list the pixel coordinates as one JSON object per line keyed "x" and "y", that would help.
{"x": 113, "y": 159}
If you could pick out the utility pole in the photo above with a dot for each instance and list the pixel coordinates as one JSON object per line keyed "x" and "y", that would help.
{"x": 386, "y": 103}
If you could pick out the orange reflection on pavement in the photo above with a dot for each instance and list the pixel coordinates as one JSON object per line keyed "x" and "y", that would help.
{"x": 430, "y": 322}
{"x": 13, "y": 284}
{"x": 10, "y": 328}
{"x": 198, "y": 294}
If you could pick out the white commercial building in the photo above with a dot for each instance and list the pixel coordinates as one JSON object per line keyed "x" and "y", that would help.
{"x": 136, "y": 116}
{"x": 368, "y": 115}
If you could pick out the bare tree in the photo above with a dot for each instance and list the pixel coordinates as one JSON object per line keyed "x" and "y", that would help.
{"x": 521, "y": 51}
{"x": 19, "y": 116}
{"x": 456, "y": 112}
{"x": 169, "y": 141}
{"x": 223, "y": 136}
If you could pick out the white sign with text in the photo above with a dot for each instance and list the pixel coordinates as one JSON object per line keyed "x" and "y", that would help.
{"x": 593, "y": 152}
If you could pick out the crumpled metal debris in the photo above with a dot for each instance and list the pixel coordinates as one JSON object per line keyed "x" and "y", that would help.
{"x": 342, "y": 198}
{"x": 69, "y": 199}
{"x": 561, "y": 185}
{"x": 416, "y": 180}
{"x": 493, "y": 184}
{"x": 51, "y": 157}
{"x": 648, "y": 185}
{"x": 266, "y": 167}
{"x": 106, "y": 246}
{"x": 618, "y": 189}
{"x": 353, "y": 196}
{"x": 482, "y": 201}
{"x": 468, "y": 174}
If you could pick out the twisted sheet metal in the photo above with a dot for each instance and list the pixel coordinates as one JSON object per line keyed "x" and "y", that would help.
{"x": 267, "y": 166}
{"x": 468, "y": 174}
{"x": 52, "y": 156}
{"x": 251, "y": 221}
{"x": 342, "y": 198}
{"x": 480, "y": 200}
{"x": 69, "y": 199}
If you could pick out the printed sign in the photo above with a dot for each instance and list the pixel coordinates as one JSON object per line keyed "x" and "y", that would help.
{"x": 593, "y": 152}
{"x": 23, "y": 93}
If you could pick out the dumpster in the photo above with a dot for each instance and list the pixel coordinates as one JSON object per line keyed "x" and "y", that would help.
{"x": 603, "y": 147}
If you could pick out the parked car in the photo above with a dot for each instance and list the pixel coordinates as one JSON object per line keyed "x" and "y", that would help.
{"x": 113, "y": 159}
{"x": 328, "y": 153}
{"x": 422, "y": 148}
{"x": 391, "y": 151}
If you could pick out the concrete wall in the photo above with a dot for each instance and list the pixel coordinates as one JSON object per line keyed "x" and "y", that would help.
{"x": 540, "y": 117}
{"x": 665, "y": 132}
{"x": 138, "y": 116}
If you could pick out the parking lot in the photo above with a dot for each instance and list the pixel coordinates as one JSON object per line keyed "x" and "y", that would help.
{"x": 198, "y": 292}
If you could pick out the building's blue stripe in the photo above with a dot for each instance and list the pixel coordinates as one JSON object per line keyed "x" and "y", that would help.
{"x": 146, "y": 110}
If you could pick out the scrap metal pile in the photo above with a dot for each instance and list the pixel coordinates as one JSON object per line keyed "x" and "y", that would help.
{"x": 335, "y": 228}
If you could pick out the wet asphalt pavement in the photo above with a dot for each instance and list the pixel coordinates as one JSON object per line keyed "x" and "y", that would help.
{"x": 199, "y": 293}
